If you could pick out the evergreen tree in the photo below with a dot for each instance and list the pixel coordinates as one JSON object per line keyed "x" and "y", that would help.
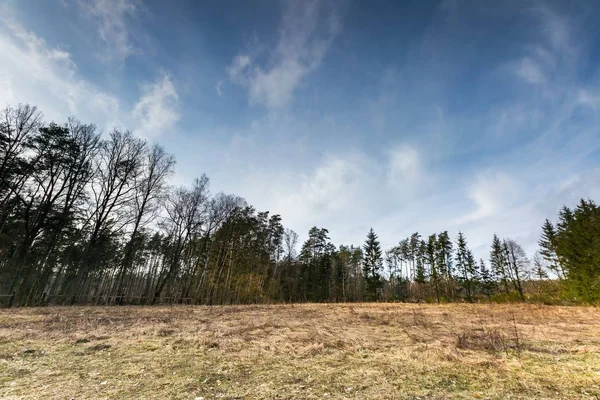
{"x": 486, "y": 281}
{"x": 317, "y": 256}
{"x": 498, "y": 262}
{"x": 473, "y": 273}
{"x": 432, "y": 258}
{"x": 421, "y": 274}
{"x": 415, "y": 240}
{"x": 577, "y": 247}
{"x": 445, "y": 267}
{"x": 465, "y": 266}
{"x": 547, "y": 245}
{"x": 372, "y": 266}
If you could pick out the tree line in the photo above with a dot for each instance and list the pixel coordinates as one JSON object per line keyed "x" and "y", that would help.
{"x": 91, "y": 218}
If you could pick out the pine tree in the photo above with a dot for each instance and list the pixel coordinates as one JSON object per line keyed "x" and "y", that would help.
{"x": 473, "y": 273}
{"x": 465, "y": 265}
{"x": 498, "y": 262}
{"x": 420, "y": 273}
{"x": 372, "y": 266}
{"x": 317, "y": 256}
{"x": 547, "y": 245}
{"x": 445, "y": 268}
{"x": 415, "y": 240}
{"x": 486, "y": 281}
{"x": 432, "y": 257}
{"x": 577, "y": 247}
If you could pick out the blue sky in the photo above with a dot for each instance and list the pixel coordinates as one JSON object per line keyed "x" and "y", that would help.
{"x": 480, "y": 116}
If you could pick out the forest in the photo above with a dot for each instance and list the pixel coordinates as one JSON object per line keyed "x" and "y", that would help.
{"x": 90, "y": 218}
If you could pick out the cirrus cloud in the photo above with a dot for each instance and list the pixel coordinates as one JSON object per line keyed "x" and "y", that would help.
{"x": 304, "y": 37}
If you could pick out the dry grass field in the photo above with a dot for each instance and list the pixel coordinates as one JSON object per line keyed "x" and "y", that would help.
{"x": 311, "y": 351}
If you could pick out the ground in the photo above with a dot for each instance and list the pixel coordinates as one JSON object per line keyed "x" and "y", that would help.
{"x": 308, "y": 351}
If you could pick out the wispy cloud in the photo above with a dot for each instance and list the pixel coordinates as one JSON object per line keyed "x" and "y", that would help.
{"x": 556, "y": 29}
{"x": 590, "y": 98}
{"x": 157, "y": 110}
{"x": 36, "y": 73}
{"x": 490, "y": 193}
{"x": 111, "y": 18}
{"x": 334, "y": 193}
{"x": 404, "y": 168}
{"x": 33, "y": 72}
{"x": 554, "y": 50}
{"x": 530, "y": 71}
{"x": 305, "y": 34}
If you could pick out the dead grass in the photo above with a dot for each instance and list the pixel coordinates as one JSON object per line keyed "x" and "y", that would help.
{"x": 337, "y": 351}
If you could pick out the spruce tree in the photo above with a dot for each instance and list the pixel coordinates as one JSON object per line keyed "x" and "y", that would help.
{"x": 547, "y": 245}
{"x": 465, "y": 265}
{"x": 420, "y": 274}
{"x": 445, "y": 269}
{"x": 434, "y": 266}
{"x": 486, "y": 281}
{"x": 473, "y": 274}
{"x": 372, "y": 266}
{"x": 577, "y": 246}
{"x": 498, "y": 262}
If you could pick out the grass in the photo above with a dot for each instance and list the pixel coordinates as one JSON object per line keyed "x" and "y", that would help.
{"x": 308, "y": 351}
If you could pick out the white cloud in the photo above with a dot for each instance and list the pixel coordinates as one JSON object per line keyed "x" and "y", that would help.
{"x": 218, "y": 88}
{"x": 238, "y": 68}
{"x": 516, "y": 206}
{"x": 588, "y": 98}
{"x": 530, "y": 71}
{"x": 340, "y": 193}
{"x": 302, "y": 43}
{"x": 158, "y": 109}
{"x": 345, "y": 191}
{"x": 112, "y": 20}
{"x": 35, "y": 73}
{"x": 334, "y": 186}
{"x": 490, "y": 193}
{"x": 556, "y": 49}
{"x": 32, "y": 72}
{"x": 404, "y": 170}
{"x": 556, "y": 29}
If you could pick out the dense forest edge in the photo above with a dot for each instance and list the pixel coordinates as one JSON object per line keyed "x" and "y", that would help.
{"x": 87, "y": 218}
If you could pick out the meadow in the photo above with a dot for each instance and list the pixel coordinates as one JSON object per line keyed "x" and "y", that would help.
{"x": 301, "y": 351}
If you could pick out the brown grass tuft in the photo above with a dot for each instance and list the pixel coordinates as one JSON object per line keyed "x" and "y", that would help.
{"x": 492, "y": 340}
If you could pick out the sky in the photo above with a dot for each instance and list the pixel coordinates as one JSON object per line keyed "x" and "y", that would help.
{"x": 478, "y": 116}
